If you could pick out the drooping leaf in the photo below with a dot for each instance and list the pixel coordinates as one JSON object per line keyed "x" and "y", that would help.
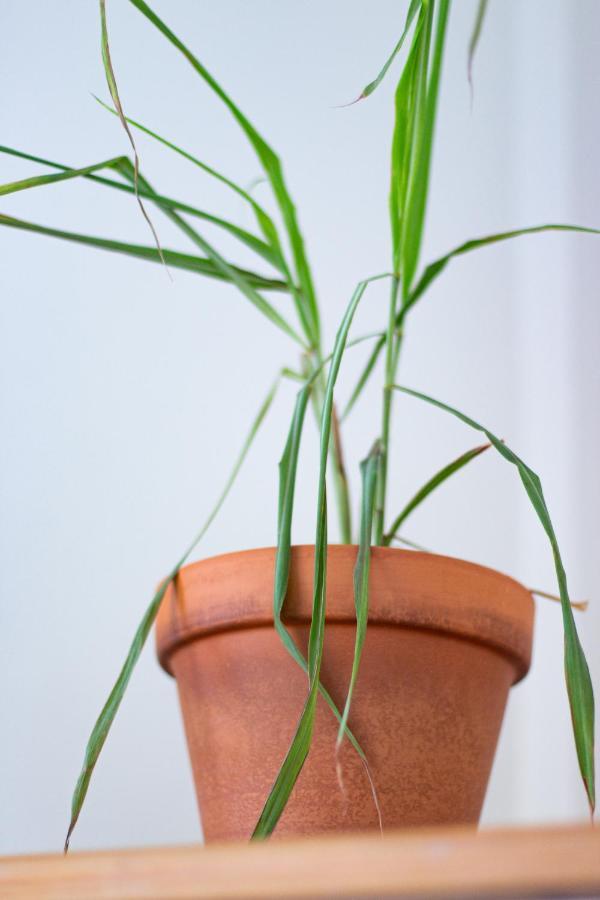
{"x": 369, "y": 468}
{"x": 174, "y": 258}
{"x": 579, "y": 684}
{"x": 287, "y": 485}
{"x": 307, "y": 306}
{"x": 105, "y": 719}
{"x": 300, "y": 745}
{"x": 114, "y": 93}
{"x": 430, "y": 486}
{"x": 373, "y": 85}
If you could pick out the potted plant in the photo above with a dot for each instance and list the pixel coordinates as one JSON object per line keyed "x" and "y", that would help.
{"x": 332, "y": 686}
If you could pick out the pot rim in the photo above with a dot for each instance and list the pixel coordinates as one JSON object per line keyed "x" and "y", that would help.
{"x": 408, "y": 588}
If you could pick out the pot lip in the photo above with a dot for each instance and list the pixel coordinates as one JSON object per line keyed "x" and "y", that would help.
{"x": 409, "y": 588}
{"x": 344, "y": 548}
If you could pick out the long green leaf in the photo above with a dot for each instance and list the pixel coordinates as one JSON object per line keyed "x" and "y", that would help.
{"x": 271, "y": 164}
{"x": 105, "y": 719}
{"x": 228, "y": 272}
{"x": 168, "y": 204}
{"x": 409, "y": 177}
{"x": 300, "y": 745}
{"x": 579, "y": 684}
{"x": 425, "y": 107}
{"x": 430, "y": 486}
{"x": 215, "y": 266}
{"x": 173, "y": 258}
{"x": 127, "y": 169}
{"x": 435, "y": 268}
{"x": 287, "y": 486}
{"x": 404, "y": 101}
{"x": 369, "y": 468}
{"x": 373, "y": 85}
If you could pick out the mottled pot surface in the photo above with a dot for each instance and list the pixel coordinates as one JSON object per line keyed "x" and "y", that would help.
{"x": 446, "y": 639}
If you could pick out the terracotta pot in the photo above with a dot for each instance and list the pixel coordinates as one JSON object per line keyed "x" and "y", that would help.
{"x": 446, "y": 640}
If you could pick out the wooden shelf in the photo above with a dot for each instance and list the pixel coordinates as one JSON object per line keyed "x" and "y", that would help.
{"x": 456, "y": 863}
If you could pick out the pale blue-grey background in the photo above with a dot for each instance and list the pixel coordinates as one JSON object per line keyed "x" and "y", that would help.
{"x": 125, "y": 397}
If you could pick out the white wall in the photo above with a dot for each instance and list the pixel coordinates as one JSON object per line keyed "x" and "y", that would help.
{"x": 125, "y": 396}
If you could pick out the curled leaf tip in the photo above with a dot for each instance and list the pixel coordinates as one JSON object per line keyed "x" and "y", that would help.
{"x": 351, "y": 103}
{"x": 375, "y": 796}
{"x": 580, "y": 605}
{"x": 340, "y": 776}
{"x": 413, "y": 9}
{"x": 68, "y": 838}
{"x": 475, "y": 36}
{"x": 114, "y": 93}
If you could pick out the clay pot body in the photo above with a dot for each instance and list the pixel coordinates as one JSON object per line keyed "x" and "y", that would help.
{"x": 446, "y": 640}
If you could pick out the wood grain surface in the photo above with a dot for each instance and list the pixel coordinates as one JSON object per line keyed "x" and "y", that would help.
{"x": 455, "y": 863}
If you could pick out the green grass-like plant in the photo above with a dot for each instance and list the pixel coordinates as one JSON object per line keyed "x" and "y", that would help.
{"x": 278, "y": 244}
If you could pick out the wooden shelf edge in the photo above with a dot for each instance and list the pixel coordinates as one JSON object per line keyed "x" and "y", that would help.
{"x": 448, "y": 863}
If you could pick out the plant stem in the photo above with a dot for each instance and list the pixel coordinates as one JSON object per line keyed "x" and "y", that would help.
{"x": 391, "y": 360}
